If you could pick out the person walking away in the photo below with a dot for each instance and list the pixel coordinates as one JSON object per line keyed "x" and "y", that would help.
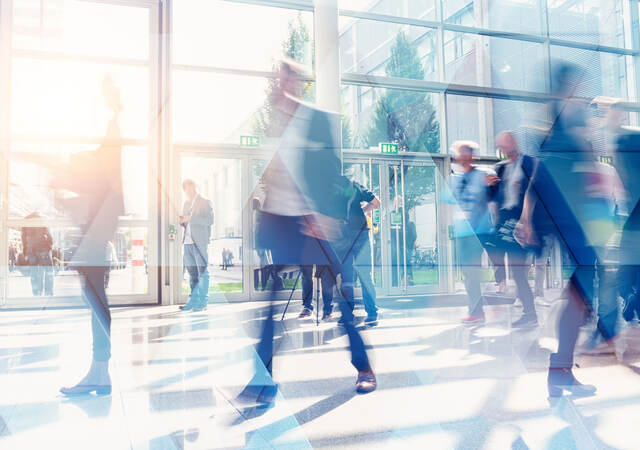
{"x": 37, "y": 244}
{"x": 508, "y": 189}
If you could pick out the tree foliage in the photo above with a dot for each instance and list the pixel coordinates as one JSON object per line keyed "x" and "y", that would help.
{"x": 409, "y": 119}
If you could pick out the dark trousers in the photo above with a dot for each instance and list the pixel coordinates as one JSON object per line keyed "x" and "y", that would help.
{"x": 291, "y": 247}
{"x": 327, "y": 281}
{"x": 518, "y": 262}
{"x": 196, "y": 261}
{"x": 94, "y": 294}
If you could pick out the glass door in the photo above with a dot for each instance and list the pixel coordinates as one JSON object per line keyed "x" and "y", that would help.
{"x": 62, "y": 55}
{"x": 219, "y": 180}
{"x": 411, "y": 212}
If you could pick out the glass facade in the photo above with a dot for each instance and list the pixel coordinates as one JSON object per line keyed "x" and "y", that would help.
{"x": 195, "y": 77}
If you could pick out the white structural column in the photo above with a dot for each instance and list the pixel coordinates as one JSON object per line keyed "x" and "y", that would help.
{"x": 327, "y": 55}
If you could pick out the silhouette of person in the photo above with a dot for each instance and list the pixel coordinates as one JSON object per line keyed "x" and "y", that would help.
{"x": 95, "y": 177}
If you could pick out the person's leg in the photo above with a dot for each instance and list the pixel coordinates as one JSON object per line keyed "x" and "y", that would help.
{"x": 202, "y": 261}
{"x": 362, "y": 267}
{"x": 541, "y": 266}
{"x": 307, "y": 286}
{"x": 37, "y": 275}
{"x": 328, "y": 283}
{"x": 608, "y": 307}
{"x": 192, "y": 268}
{"x": 496, "y": 253}
{"x": 519, "y": 264}
{"x": 48, "y": 275}
{"x": 471, "y": 262}
{"x": 348, "y": 281}
{"x": 97, "y": 379}
{"x": 96, "y": 297}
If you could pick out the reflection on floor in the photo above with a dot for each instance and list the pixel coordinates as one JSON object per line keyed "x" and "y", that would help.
{"x": 176, "y": 376}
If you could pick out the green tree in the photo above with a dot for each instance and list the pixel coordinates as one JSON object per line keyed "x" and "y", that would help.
{"x": 407, "y": 118}
{"x": 296, "y": 47}
{"x": 299, "y": 47}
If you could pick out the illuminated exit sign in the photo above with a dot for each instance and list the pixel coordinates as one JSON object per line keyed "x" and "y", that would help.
{"x": 388, "y": 148}
{"x": 249, "y": 141}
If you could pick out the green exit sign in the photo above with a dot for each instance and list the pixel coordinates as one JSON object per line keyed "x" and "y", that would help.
{"x": 388, "y": 148}
{"x": 396, "y": 218}
{"x": 249, "y": 141}
{"x": 606, "y": 159}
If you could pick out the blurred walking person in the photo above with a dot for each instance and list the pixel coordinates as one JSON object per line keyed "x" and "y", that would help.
{"x": 301, "y": 217}
{"x": 37, "y": 244}
{"x": 555, "y": 205}
{"x": 471, "y": 223}
{"x": 95, "y": 176}
{"x": 508, "y": 189}
{"x": 196, "y": 221}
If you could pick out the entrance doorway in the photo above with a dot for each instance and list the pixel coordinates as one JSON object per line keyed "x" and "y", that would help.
{"x": 407, "y": 232}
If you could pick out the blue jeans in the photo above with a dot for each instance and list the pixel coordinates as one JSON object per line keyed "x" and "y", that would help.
{"x": 196, "y": 261}
{"x": 96, "y": 297}
{"x": 358, "y": 263}
{"x": 41, "y": 272}
{"x": 291, "y": 247}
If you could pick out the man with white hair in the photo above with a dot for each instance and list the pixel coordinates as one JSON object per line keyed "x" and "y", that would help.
{"x": 471, "y": 223}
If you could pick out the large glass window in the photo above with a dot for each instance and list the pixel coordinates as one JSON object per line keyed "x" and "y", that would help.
{"x": 409, "y": 118}
{"x": 591, "y": 21}
{"x": 415, "y": 9}
{"x": 494, "y": 62}
{"x": 240, "y": 36}
{"x": 63, "y": 53}
{"x": 388, "y": 49}
{"x": 601, "y": 73}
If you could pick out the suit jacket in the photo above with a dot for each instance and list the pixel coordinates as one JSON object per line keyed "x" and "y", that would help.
{"x": 497, "y": 192}
{"x": 201, "y": 213}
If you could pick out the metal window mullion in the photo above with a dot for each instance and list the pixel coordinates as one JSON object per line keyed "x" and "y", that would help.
{"x": 634, "y": 27}
{"x": 5, "y": 131}
{"x": 300, "y": 5}
{"x": 71, "y": 57}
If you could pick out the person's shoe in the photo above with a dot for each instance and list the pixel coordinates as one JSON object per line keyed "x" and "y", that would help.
{"x": 371, "y": 320}
{"x": 97, "y": 380}
{"x": 326, "y": 317}
{"x": 187, "y": 307}
{"x": 562, "y": 379}
{"x": 366, "y": 382}
{"x": 471, "y": 319}
{"x": 539, "y": 293}
{"x": 526, "y": 321}
{"x": 306, "y": 312}
{"x": 200, "y": 307}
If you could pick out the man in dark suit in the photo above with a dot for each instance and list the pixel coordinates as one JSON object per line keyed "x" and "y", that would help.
{"x": 196, "y": 219}
{"x": 508, "y": 189}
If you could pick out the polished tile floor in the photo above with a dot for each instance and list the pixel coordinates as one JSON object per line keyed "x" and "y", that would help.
{"x": 176, "y": 376}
